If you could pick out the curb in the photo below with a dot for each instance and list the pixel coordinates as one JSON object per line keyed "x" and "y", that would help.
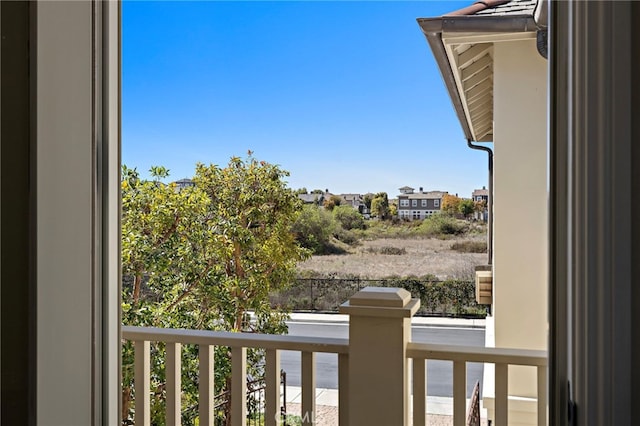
{"x": 417, "y": 321}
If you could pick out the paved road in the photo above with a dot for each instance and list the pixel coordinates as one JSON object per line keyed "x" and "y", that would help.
{"x": 439, "y": 373}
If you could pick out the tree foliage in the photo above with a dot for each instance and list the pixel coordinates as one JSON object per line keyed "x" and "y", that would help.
{"x": 332, "y": 201}
{"x": 348, "y": 217}
{"x": 442, "y": 224}
{"x": 380, "y": 206}
{"x": 450, "y": 204}
{"x": 480, "y": 206}
{"x": 367, "y": 200}
{"x": 203, "y": 257}
{"x": 466, "y": 207}
{"x": 314, "y": 228}
{"x": 393, "y": 209}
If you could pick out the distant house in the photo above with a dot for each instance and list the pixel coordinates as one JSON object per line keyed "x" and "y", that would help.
{"x": 184, "y": 183}
{"x": 313, "y": 198}
{"x": 418, "y": 205}
{"x": 406, "y": 190}
{"x": 353, "y": 200}
{"x": 357, "y": 202}
{"x": 479, "y": 195}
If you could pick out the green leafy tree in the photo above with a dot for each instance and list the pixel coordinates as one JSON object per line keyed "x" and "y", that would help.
{"x": 367, "y": 200}
{"x": 348, "y": 217}
{"x": 203, "y": 258}
{"x": 380, "y": 206}
{"x": 253, "y": 211}
{"x": 393, "y": 209}
{"x": 466, "y": 207}
{"x": 314, "y": 228}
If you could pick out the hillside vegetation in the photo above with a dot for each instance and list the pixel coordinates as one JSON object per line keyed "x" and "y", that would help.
{"x": 442, "y": 245}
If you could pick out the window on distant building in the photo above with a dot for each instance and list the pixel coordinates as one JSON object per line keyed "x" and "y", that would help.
{"x": 424, "y": 203}
{"x": 414, "y": 203}
{"x": 404, "y": 203}
{"x": 436, "y": 203}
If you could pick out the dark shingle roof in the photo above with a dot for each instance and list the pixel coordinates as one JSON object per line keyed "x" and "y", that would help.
{"x": 497, "y": 8}
{"x": 514, "y": 7}
{"x": 431, "y": 195}
{"x": 310, "y": 198}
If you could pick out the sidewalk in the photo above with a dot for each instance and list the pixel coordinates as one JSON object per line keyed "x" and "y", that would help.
{"x": 416, "y": 321}
{"x": 439, "y": 408}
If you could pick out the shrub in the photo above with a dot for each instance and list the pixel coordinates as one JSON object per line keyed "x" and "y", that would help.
{"x": 314, "y": 228}
{"x": 347, "y": 237}
{"x": 327, "y": 292}
{"x": 470, "y": 246}
{"x": 348, "y": 217}
{"x": 439, "y": 224}
{"x": 388, "y": 250}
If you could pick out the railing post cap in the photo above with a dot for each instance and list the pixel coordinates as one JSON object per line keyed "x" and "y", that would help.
{"x": 381, "y": 301}
{"x": 381, "y": 296}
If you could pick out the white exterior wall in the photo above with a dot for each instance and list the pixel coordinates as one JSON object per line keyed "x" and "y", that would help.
{"x": 520, "y": 204}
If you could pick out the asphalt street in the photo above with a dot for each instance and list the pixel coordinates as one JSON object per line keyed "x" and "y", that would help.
{"x": 439, "y": 373}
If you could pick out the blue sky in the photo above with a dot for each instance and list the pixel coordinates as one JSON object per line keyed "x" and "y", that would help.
{"x": 346, "y": 96}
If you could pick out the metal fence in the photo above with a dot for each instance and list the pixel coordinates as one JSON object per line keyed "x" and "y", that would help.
{"x": 452, "y": 298}
{"x": 255, "y": 403}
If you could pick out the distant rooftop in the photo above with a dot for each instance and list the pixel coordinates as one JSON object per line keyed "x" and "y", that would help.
{"x": 498, "y": 8}
{"x": 480, "y": 192}
{"x": 310, "y": 198}
{"x": 431, "y": 195}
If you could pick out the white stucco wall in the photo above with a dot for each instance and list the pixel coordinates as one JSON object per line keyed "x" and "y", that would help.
{"x": 520, "y": 204}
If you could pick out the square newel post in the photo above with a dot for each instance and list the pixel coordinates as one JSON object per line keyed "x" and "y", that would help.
{"x": 379, "y": 330}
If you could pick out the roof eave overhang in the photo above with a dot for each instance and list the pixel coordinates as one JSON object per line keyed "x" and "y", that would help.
{"x": 433, "y": 28}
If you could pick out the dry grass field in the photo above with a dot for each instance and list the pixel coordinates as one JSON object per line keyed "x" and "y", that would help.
{"x": 420, "y": 256}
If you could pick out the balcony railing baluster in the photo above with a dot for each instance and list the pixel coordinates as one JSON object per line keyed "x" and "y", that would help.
{"x": 459, "y": 393}
{"x": 142, "y": 382}
{"x": 308, "y": 388}
{"x": 206, "y": 384}
{"x": 542, "y": 396}
{"x": 238, "y": 386}
{"x": 174, "y": 383}
{"x": 502, "y": 394}
{"x": 343, "y": 385}
{"x": 272, "y": 391}
{"x": 419, "y": 392}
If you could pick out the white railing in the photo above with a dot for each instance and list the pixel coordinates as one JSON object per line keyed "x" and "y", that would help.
{"x": 238, "y": 342}
{"x": 373, "y": 368}
{"x": 461, "y": 355}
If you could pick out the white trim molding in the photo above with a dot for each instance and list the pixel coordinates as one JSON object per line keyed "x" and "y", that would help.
{"x": 77, "y": 230}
